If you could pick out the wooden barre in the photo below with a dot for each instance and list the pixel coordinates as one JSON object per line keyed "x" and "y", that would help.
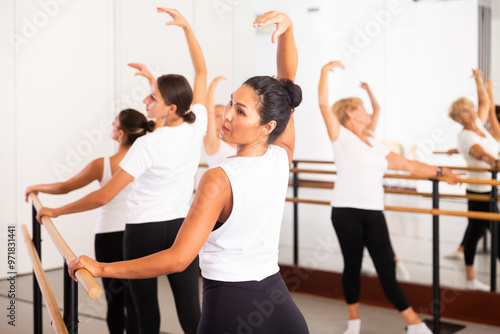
{"x": 48, "y": 296}
{"x": 88, "y": 283}
{"x": 435, "y": 212}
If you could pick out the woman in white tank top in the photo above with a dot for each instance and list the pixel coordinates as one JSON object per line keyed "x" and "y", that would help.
{"x": 216, "y": 150}
{"x": 127, "y": 127}
{"x": 236, "y": 215}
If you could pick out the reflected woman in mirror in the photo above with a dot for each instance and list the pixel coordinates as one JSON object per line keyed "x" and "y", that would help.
{"x": 479, "y": 148}
{"x": 128, "y": 126}
{"x": 235, "y": 219}
{"x": 358, "y": 200}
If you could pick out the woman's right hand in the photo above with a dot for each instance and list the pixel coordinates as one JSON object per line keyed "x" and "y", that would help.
{"x": 282, "y": 21}
{"x": 84, "y": 262}
{"x": 476, "y": 74}
{"x": 216, "y": 81}
{"x": 31, "y": 189}
{"x": 143, "y": 70}
{"x": 332, "y": 65}
{"x": 448, "y": 173}
{"x": 178, "y": 19}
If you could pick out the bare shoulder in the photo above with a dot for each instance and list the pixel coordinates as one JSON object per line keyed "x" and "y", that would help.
{"x": 215, "y": 176}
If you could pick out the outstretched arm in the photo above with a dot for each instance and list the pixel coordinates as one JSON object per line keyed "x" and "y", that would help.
{"x": 211, "y": 139}
{"x": 93, "y": 200}
{"x": 91, "y": 172}
{"x": 286, "y": 62}
{"x": 484, "y": 102}
{"x": 398, "y": 162}
{"x": 331, "y": 121}
{"x": 214, "y": 192}
{"x": 200, "y": 69}
{"x": 375, "y": 106}
{"x": 477, "y": 152}
{"x": 495, "y": 125}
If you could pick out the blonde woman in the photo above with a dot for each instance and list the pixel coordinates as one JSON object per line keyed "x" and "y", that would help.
{"x": 358, "y": 200}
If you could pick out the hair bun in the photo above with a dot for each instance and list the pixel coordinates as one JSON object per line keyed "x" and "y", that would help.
{"x": 150, "y": 126}
{"x": 294, "y": 92}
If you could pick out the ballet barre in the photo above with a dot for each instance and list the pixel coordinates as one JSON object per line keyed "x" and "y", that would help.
{"x": 48, "y": 296}
{"x": 88, "y": 283}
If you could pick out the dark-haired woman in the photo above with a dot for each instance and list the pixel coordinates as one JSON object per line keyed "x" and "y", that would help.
{"x": 128, "y": 126}
{"x": 162, "y": 166}
{"x": 358, "y": 202}
{"x": 234, "y": 221}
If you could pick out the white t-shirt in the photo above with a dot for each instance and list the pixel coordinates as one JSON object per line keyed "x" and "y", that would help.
{"x": 225, "y": 150}
{"x": 163, "y": 164}
{"x": 112, "y": 216}
{"x": 245, "y": 247}
{"x": 360, "y": 169}
{"x": 467, "y": 139}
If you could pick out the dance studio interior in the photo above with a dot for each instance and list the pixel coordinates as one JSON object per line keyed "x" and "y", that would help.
{"x": 387, "y": 221}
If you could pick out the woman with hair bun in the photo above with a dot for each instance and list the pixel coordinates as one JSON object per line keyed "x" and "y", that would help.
{"x": 162, "y": 167}
{"x": 358, "y": 201}
{"x": 235, "y": 219}
{"x": 127, "y": 127}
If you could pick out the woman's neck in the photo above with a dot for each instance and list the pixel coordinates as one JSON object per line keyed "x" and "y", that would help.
{"x": 356, "y": 128}
{"x": 172, "y": 121}
{"x": 256, "y": 149}
{"x": 472, "y": 126}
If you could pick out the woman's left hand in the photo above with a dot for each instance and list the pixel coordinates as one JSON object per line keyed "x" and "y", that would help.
{"x": 448, "y": 173}
{"x": 282, "y": 21}
{"x": 177, "y": 17}
{"x": 52, "y": 213}
{"x": 85, "y": 262}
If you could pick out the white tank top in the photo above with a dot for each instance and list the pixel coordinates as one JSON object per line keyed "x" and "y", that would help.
{"x": 225, "y": 150}
{"x": 112, "y": 216}
{"x": 245, "y": 247}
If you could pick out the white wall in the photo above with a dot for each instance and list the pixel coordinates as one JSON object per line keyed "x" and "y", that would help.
{"x": 60, "y": 89}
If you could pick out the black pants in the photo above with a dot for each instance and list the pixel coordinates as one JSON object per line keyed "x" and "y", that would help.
{"x": 476, "y": 228}
{"x": 357, "y": 228}
{"x": 250, "y": 307}
{"x": 109, "y": 248}
{"x": 148, "y": 238}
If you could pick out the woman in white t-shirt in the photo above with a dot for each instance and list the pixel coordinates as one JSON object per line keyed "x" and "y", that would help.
{"x": 358, "y": 200}
{"x": 216, "y": 150}
{"x": 161, "y": 167}
{"x": 234, "y": 221}
{"x": 479, "y": 149}
{"x": 128, "y": 126}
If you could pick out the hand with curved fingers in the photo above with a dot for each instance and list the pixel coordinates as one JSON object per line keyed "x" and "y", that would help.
{"x": 330, "y": 67}
{"x": 30, "y": 189}
{"x": 177, "y": 18}
{"x": 84, "y": 262}
{"x": 282, "y": 21}
{"x": 143, "y": 70}
{"x": 217, "y": 80}
{"x": 364, "y": 85}
{"x": 452, "y": 151}
{"x": 448, "y": 173}
{"x": 52, "y": 213}
{"x": 476, "y": 74}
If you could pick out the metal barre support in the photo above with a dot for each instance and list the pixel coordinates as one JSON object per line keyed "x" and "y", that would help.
{"x": 494, "y": 236}
{"x": 295, "y": 216}
{"x": 70, "y": 302}
{"x": 37, "y": 293}
{"x": 436, "y": 307}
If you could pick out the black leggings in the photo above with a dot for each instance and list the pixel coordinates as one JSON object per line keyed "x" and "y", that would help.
{"x": 357, "y": 228}
{"x": 250, "y": 307}
{"x": 148, "y": 238}
{"x": 108, "y": 247}
{"x": 476, "y": 228}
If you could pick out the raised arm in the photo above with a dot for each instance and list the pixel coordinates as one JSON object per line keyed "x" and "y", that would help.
{"x": 398, "y": 162}
{"x": 211, "y": 139}
{"x": 494, "y": 124}
{"x": 484, "y": 102}
{"x": 200, "y": 69}
{"x": 91, "y": 172}
{"x": 213, "y": 193}
{"x": 93, "y": 200}
{"x": 331, "y": 121}
{"x": 143, "y": 71}
{"x": 286, "y": 62}
{"x": 375, "y": 106}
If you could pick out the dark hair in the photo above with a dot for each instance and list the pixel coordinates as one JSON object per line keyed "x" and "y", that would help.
{"x": 134, "y": 124}
{"x": 277, "y": 100}
{"x": 175, "y": 89}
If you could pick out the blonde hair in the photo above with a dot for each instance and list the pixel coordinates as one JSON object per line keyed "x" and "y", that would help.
{"x": 341, "y": 106}
{"x": 454, "y": 112}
